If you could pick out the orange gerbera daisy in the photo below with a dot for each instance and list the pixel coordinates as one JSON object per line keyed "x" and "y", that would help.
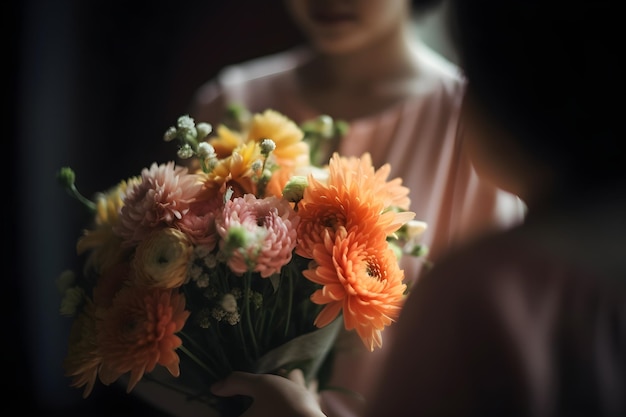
{"x": 290, "y": 150}
{"x": 361, "y": 278}
{"x": 393, "y": 192}
{"x": 139, "y": 331}
{"x": 355, "y": 195}
{"x": 83, "y": 358}
{"x": 160, "y": 199}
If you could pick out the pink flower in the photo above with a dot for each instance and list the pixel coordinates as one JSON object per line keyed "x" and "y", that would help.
{"x": 257, "y": 234}
{"x": 199, "y": 222}
{"x": 160, "y": 199}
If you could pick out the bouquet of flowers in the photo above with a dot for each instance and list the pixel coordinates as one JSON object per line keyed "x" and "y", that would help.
{"x": 245, "y": 257}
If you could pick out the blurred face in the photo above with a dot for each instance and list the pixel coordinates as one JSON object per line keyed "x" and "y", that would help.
{"x": 343, "y": 26}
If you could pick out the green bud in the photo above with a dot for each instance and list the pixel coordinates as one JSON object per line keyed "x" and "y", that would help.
{"x": 294, "y": 189}
{"x": 341, "y": 128}
{"x": 236, "y": 238}
{"x": 73, "y": 299}
{"x": 419, "y": 251}
{"x": 66, "y": 177}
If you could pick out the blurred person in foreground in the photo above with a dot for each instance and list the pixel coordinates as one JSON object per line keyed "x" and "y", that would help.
{"x": 530, "y": 321}
{"x": 364, "y": 63}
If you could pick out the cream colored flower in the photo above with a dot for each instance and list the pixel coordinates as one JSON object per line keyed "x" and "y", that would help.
{"x": 162, "y": 260}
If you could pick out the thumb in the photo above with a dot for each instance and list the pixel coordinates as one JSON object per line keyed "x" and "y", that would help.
{"x": 237, "y": 383}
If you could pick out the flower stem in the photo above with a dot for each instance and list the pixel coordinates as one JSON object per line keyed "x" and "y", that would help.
{"x": 248, "y": 298}
{"x": 199, "y": 362}
{"x": 289, "y": 301}
{"x": 215, "y": 362}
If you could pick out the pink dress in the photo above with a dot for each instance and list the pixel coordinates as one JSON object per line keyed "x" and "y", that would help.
{"x": 418, "y": 136}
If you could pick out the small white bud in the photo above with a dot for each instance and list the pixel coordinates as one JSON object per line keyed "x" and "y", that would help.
{"x": 204, "y": 129}
{"x": 257, "y": 165}
{"x": 415, "y": 229}
{"x": 206, "y": 151}
{"x": 185, "y": 151}
{"x": 170, "y": 134}
{"x": 185, "y": 122}
{"x": 229, "y": 303}
{"x": 324, "y": 126}
{"x": 267, "y": 146}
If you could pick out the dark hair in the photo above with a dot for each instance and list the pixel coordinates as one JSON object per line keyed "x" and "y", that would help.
{"x": 551, "y": 73}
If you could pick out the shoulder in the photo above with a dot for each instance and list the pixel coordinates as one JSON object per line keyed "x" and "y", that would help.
{"x": 437, "y": 72}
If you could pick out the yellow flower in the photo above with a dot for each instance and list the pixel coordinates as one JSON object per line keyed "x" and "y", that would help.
{"x": 290, "y": 150}
{"x": 226, "y": 141}
{"x": 105, "y": 247}
{"x": 233, "y": 172}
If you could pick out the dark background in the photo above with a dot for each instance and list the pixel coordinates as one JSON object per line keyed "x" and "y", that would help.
{"x": 93, "y": 85}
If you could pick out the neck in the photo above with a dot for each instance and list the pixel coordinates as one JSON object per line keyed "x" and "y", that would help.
{"x": 374, "y": 67}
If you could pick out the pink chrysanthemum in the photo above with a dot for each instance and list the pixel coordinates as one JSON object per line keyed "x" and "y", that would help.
{"x": 360, "y": 277}
{"x": 199, "y": 223}
{"x": 139, "y": 331}
{"x": 160, "y": 199}
{"x": 257, "y": 234}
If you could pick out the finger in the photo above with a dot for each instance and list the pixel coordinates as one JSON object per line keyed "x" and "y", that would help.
{"x": 296, "y": 375}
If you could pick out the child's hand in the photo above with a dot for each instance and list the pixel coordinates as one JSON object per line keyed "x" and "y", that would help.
{"x": 273, "y": 395}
